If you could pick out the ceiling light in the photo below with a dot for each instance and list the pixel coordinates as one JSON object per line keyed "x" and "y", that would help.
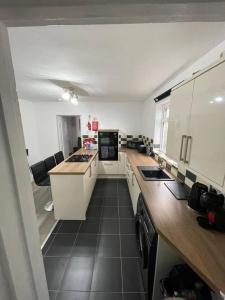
{"x": 211, "y": 102}
{"x": 219, "y": 99}
{"x": 74, "y": 99}
{"x": 66, "y": 96}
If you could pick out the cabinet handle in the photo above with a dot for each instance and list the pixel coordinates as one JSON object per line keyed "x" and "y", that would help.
{"x": 108, "y": 164}
{"x": 133, "y": 178}
{"x": 95, "y": 161}
{"x": 189, "y": 138}
{"x": 90, "y": 171}
{"x": 181, "y": 146}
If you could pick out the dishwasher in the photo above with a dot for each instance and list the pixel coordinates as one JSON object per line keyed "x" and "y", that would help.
{"x": 147, "y": 238}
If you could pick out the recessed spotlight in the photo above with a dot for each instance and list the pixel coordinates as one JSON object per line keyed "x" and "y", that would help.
{"x": 211, "y": 102}
{"x": 66, "y": 96}
{"x": 219, "y": 99}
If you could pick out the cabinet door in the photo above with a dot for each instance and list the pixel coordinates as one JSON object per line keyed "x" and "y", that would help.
{"x": 135, "y": 193}
{"x": 108, "y": 167}
{"x": 207, "y": 125}
{"x": 121, "y": 163}
{"x": 180, "y": 109}
{"x": 88, "y": 184}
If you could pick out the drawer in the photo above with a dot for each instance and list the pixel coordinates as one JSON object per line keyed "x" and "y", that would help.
{"x": 108, "y": 167}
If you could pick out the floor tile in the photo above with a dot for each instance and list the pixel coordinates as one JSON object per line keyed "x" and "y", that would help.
{"x": 61, "y": 245}
{"x": 110, "y": 201}
{"x": 129, "y": 246}
{"x": 109, "y": 246}
{"x": 109, "y": 226}
{"x": 124, "y": 201}
{"x": 96, "y": 201}
{"x": 127, "y": 226}
{"x": 48, "y": 243}
{"x": 126, "y": 212}
{"x": 110, "y": 212}
{"x": 134, "y": 296}
{"x": 70, "y": 295}
{"x": 105, "y": 296}
{"x": 94, "y": 212}
{"x": 85, "y": 245}
{"x": 57, "y": 226}
{"x": 78, "y": 274}
{"x": 90, "y": 226}
{"x": 123, "y": 193}
{"x": 105, "y": 192}
{"x": 132, "y": 277}
{"x": 107, "y": 275}
{"x": 52, "y": 295}
{"x": 54, "y": 269}
{"x": 69, "y": 226}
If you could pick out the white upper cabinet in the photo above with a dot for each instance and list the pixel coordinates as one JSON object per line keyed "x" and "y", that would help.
{"x": 180, "y": 109}
{"x": 207, "y": 125}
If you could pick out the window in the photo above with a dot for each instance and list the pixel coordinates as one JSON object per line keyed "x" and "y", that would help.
{"x": 164, "y": 126}
{"x": 161, "y": 124}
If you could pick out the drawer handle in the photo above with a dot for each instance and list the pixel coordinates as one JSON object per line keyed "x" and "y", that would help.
{"x": 189, "y": 138}
{"x": 181, "y": 146}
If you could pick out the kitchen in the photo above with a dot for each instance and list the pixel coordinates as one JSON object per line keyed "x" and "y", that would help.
{"x": 111, "y": 199}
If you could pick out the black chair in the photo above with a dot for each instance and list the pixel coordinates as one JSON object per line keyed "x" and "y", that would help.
{"x": 50, "y": 163}
{"x": 59, "y": 157}
{"x": 40, "y": 174}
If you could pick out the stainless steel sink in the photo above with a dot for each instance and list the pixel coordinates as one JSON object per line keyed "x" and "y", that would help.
{"x": 154, "y": 174}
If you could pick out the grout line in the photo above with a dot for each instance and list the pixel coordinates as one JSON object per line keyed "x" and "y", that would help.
{"x": 69, "y": 258}
{"x": 51, "y": 233}
{"x": 121, "y": 268}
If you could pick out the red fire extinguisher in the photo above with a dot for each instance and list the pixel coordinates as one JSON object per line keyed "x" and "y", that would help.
{"x": 89, "y": 123}
{"x": 94, "y": 124}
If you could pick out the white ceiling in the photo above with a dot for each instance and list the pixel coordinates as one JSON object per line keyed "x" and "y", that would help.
{"x": 106, "y": 62}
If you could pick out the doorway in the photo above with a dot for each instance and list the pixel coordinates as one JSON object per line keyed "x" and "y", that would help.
{"x": 69, "y": 133}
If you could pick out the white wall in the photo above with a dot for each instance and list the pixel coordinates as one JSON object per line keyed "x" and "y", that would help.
{"x": 125, "y": 116}
{"x": 149, "y": 106}
{"x": 29, "y": 122}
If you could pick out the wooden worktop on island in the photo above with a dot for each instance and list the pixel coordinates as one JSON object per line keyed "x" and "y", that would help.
{"x": 203, "y": 250}
{"x": 69, "y": 168}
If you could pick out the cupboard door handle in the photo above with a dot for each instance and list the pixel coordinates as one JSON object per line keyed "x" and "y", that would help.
{"x": 133, "y": 178}
{"x": 181, "y": 146}
{"x": 189, "y": 138}
{"x": 90, "y": 171}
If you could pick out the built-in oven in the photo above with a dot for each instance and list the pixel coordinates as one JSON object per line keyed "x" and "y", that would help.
{"x": 108, "y": 145}
{"x": 147, "y": 240}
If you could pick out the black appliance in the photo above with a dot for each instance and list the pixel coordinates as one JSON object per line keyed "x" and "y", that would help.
{"x": 132, "y": 144}
{"x": 141, "y": 148}
{"x": 147, "y": 244}
{"x": 194, "y": 198}
{"x": 79, "y": 158}
{"x": 215, "y": 217}
{"x": 108, "y": 145}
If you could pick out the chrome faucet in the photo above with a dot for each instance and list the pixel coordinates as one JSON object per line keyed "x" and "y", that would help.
{"x": 160, "y": 161}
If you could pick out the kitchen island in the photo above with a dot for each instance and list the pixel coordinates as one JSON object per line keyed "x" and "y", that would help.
{"x": 72, "y": 184}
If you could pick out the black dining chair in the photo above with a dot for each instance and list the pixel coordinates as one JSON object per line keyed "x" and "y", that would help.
{"x": 50, "y": 163}
{"x": 59, "y": 157}
{"x": 40, "y": 174}
{"x": 41, "y": 178}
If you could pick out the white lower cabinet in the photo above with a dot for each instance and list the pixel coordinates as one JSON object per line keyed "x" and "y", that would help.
{"x": 121, "y": 163}
{"x": 132, "y": 184}
{"x": 108, "y": 167}
{"x": 112, "y": 167}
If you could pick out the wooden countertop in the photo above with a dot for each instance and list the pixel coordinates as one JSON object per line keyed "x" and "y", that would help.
{"x": 203, "y": 250}
{"x": 69, "y": 168}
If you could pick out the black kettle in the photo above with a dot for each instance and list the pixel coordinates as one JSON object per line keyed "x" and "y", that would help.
{"x": 194, "y": 198}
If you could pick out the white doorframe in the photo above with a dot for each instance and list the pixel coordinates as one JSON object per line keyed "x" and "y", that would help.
{"x": 21, "y": 261}
{"x": 21, "y": 264}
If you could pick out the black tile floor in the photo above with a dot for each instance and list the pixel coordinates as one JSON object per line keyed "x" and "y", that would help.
{"x": 96, "y": 259}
